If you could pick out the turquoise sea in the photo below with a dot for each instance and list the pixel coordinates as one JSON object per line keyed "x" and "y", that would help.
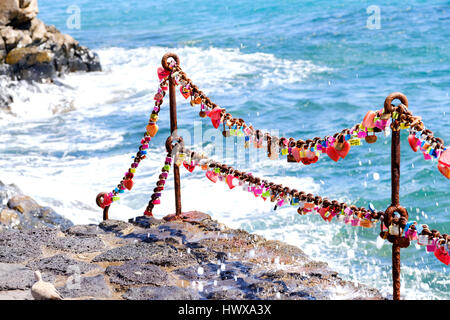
{"x": 300, "y": 68}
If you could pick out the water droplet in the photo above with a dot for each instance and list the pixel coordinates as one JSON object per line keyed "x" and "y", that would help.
{"x": 215, "y": 282}
{"x": 222, "y": 267}
{"x": 380, "y": 242}
{"x": 278, "y": 295}
{"x": 376, "y": 176}
{"x": 200, "y": 271}
{"x": 351, "y": 253}
{"x": 200, "y": 287}
{"x": 188, "y": 250}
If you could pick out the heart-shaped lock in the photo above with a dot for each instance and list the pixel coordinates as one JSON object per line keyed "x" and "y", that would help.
{"x": 104, "y": 199}
{"x": 162, "y": 73}
{"x": 185, "y": 92}
{"x": 212, "y": 176}
{"x": 189, "y": 167}
{"x": 441, "y": 254}
{"x": 332, "y": 153}
{"x": 229, "y": 181}
{"x": 444, "y": 158}
{"x": 215, "y": 115}
{"x": 128, "y": 184}
{"x": 344, "y": 151}
{"x": 412, "y": 139}
{"x": 368, "y": 121}
{"x": 444, "y": 170}
{"x": 152, "y": 129}
{"x": 326, "y": 214}
{"x": 296, "y": 154}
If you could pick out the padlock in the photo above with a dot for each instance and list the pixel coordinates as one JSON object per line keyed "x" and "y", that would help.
{"x": 431, "y": 245}
{"x": 371, "y": 138}
{"x": 422, "y": 239}
{"x": 394, "y": 230}
{"x": 441, "y": 253}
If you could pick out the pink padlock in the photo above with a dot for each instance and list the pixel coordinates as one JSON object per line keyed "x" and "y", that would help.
{"x": 411, "y": 234}
{"x": 431, "y": 246}
{"x": 355, "y": 222}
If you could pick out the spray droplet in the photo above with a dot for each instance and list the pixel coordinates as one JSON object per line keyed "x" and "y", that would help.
{"x": 380, "y": 242}
{"x": 200, "y": 271}
{"x": 376, "y": 176}
{"x": 351, "y": 253}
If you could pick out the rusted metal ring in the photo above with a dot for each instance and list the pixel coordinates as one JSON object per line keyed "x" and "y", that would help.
{"x": 169, "y": 146}
{"x": 388, "y": 215}
{"x": 391, "y": 97}
{"x": 98, "y": 199}
{"x": 165, "y": 63}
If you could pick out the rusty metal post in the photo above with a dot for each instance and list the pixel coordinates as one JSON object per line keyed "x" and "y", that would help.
{"x": 173, "y": 127}
{"x": 395, "y": 192}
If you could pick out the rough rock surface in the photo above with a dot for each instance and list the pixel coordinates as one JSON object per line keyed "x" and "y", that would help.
{"x": 134, "y": 260}
{"x": 18, "y": 211}
{"x": 33, "y": 51}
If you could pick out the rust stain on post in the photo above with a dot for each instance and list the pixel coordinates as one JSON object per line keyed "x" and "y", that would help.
{"x": 173, "y": 127}
{"x": 395, "y": 187}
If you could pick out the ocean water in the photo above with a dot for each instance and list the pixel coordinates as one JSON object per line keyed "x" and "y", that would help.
{"x": 302, "y": 68}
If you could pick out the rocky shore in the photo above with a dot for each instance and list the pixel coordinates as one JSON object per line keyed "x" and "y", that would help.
{"x": 149, "y": 258}
{"x": 31, "y": 51}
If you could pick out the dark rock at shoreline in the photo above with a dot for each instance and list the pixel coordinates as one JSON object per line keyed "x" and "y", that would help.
{"x": 33, "y": 51}
{"x": 18, "y": 211}
{"x": 117, "y": 261}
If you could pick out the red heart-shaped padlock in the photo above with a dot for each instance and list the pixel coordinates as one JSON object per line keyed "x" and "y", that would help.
{"x": 444, "y": 170}
{"x": 229, "y": 181}
{"x": 296, "y": 154}
{"x": 211, "y": 175}
{"x": 344, "y": 151}
{"x": 162, "y": 73}
{"x": 186, "y": 93}
{"x": 413, "y": 142}
{"x": 305, "y": 161}
{"x": 332, "y": 153}
{"x": 442, "y": 255}
{"x": 325, "y": 214}
{"x": 215, "y": 115}
{"x": 444, "y": 158}
{"x": 189, "y": 167}
{"x": 128, "y": 184}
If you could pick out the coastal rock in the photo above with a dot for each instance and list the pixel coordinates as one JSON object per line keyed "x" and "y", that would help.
{"x": 155, "y": 253}
{"x": 18, "y": 277}
{"x": 24, "y": 212}
{"x": 88, "y": 287}
{"x": 9, "y": 218}
{"x": 61, "y": 264}
{"x": 115, "y": 260}
{"x": 17, "y": 12}
{"x": 7, "y": 191}
{"x": 86, "y": 230}
{"x": 157, "y": 293}
{"x": 137, "y": 272}
{"x": 32, "y": 51}
{"x": 77, "y": 244}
